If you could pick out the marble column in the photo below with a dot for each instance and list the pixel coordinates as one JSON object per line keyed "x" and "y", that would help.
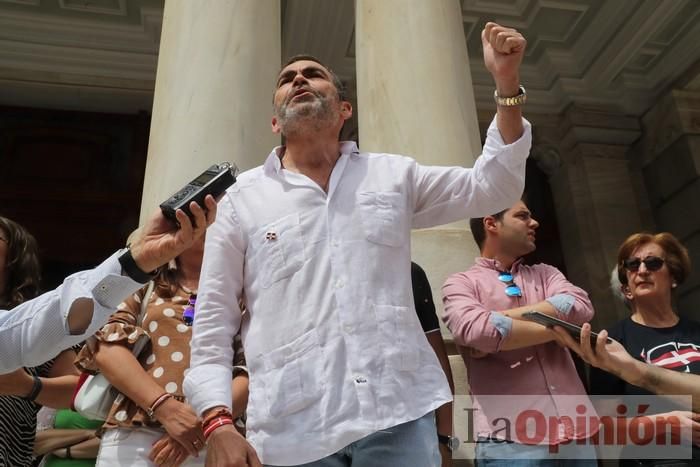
{"x": 216, "y": 71}
{"x": 668, "y": 156}
{"x": 415, "y": 98}
{"x": 597, "y": 199}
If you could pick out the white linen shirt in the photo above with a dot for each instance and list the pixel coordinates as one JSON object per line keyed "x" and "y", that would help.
{"x": 333, "y": 343}
{"x": 36, "y": 330}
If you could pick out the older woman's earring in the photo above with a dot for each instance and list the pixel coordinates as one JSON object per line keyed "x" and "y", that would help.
{"x": 674, "y": 285}
{"x": 627, "y": 292}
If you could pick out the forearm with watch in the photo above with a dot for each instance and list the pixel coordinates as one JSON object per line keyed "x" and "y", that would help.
{"x": 509, "y": 96}
{"x": 54, "y": 439}
{"x": 132, "y": 269}
{"x": 87, "y": 449}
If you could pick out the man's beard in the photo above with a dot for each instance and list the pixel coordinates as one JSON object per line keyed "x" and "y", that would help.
{"x": 306, "y": 117}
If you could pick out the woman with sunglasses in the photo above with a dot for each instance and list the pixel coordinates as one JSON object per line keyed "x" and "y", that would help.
{"x": 150, "y": 422}
{"x": 650, "y": 268}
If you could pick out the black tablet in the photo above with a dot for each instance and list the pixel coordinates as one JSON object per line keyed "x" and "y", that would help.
{"x": 550, "y": 321}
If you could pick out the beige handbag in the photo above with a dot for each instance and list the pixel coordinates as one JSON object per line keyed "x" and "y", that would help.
{"x": 94, "y": 394}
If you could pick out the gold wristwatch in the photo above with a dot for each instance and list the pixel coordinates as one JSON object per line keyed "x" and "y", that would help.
{"x": 518, "y": 99}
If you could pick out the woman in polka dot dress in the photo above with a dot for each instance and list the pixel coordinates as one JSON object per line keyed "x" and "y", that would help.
{"x": 173, "y": 435}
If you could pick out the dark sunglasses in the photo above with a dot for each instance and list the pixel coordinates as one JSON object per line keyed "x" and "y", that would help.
{"x": 652, "y": 263}
{"x": 512, "y": 290}
{"x": 188, "y": 313}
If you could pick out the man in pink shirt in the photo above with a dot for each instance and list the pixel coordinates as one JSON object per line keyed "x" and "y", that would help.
{"x": 515, "y": 366}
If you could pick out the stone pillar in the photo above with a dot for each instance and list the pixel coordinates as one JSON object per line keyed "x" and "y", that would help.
{"x": 596, "y": 200}
{"x": 668, "y": 156}
{"x": 415, "y": 98}
{"x": 216, "y": 72}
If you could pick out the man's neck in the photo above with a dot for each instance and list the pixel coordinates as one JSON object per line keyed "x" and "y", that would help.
{"x": 310, "y": 153}
{"x": 505, "y": 260}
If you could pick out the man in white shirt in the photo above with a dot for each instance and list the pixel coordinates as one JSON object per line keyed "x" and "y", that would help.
{"x": 317, "y": 240}
{"x": 39, "y": 329}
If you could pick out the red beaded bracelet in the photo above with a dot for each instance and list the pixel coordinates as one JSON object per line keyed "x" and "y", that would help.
{"x": 220, "y": 412}
{"x": 216, "y": 423}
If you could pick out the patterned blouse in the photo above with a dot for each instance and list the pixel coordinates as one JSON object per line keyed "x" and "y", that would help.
{"x": 165, "y": 357}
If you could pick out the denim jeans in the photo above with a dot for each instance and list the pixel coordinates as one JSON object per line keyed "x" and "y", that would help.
{"x": 497, "y": 453}
{"x": 411, "y": 444}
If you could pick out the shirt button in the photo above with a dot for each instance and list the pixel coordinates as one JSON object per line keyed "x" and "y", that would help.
{"x": 339, "y": 284}
{"x": 335, "y": 243}
{"x": 553, "y": 388}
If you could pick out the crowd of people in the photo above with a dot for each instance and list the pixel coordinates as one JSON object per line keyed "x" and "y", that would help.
{"x": 285, "y": 324}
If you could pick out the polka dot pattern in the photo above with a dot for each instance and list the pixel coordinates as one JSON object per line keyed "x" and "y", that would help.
{"x": 168, "y": 352}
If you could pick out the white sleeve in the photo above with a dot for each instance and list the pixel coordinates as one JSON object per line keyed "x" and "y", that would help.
{"x": 217, "y": 316}
{"x": 495, "y": 183}
{"x": 37, "y": 331}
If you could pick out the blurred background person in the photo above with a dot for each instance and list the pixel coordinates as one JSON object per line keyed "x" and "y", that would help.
{"x": 70, "y": 441}
{"x": 25, "y": 390}
{"x": 425, "y": 309}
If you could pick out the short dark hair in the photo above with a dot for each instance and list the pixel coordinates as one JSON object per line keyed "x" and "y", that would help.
{"x": 22, "y": 269}
{"x": 476, "y": 224}
{"x": 339, "y": 86}
{"x": 677, "y": 257}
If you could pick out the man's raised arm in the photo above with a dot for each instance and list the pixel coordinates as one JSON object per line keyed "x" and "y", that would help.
{"x": 504, "y": 49}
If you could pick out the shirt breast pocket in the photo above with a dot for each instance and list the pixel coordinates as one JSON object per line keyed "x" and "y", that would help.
{"x": 294, "y": 375}
{"x": 383, "y": 217}
{"x": 276, "y": 250}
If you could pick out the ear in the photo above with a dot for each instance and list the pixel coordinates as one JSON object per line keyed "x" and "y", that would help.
{"x": 490, "y": 224}
{"x": 276, "y": 129}
{"x": 346, "y": 110}
{"x": 626, "y": 292}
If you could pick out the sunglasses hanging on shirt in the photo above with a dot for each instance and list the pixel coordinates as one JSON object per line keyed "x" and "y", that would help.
{"x": 188, "y": 314}
{"x": 512, "y": 290}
